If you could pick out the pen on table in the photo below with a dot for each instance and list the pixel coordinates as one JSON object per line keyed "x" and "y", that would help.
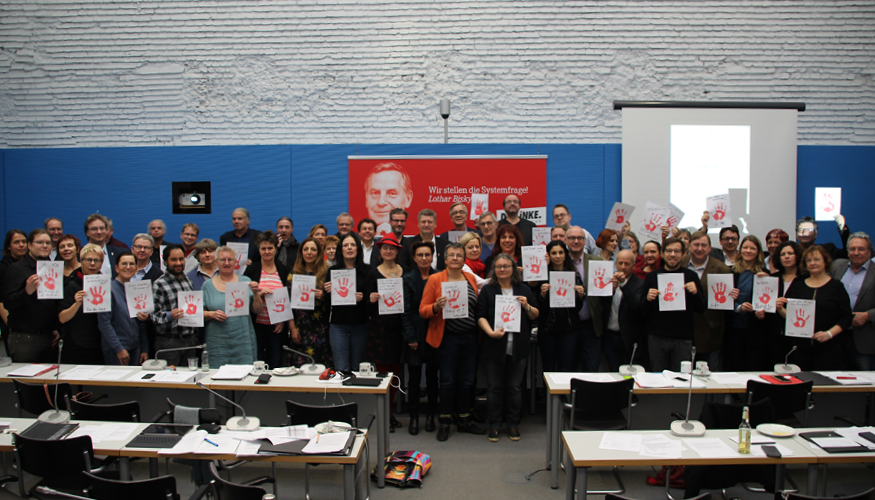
{"x": 317, "y": 437}
{"x": 212, "y": 443}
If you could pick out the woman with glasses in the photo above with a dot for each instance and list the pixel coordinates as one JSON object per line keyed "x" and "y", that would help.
{"x": 80, "y": 332}
{"x": 124, "y": 339}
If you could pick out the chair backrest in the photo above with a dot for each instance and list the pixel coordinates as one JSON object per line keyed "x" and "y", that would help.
{"x": 786, "y": 399}
{"x": 866, "y": 495}
{"x": 728, "y": 415}
{"x": 33, "y": 399}
{"x": 69, "y": 458}
{"x": 229, "y": 491}
{"x": 159, "y": 488}
{"x": 120, "y": 412}
{"x": 205, "y": 415}
{"x": 308, "y": 415}
{"x": 598, "y": 400}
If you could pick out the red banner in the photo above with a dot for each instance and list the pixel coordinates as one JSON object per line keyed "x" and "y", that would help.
{"x": 379, "y": 184}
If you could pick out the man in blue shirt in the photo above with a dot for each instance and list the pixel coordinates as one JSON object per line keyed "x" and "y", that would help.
{"x": 857, "y": 273}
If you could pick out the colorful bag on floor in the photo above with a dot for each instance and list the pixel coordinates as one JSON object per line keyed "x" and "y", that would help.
{"x": 406, "y": 469}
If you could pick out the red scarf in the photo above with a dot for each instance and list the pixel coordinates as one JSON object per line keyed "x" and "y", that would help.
{"x": 477, "y": 266}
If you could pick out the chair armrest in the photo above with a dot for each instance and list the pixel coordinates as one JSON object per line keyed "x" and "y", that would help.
{"x": 159, "y": 417}
{"x": 259, "y": 480}
{"x": 201, "y": 492}
{"x": 8, "y": 479}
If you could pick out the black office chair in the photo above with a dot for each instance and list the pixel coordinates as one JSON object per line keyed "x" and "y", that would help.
{"x": 300, "y": 414}
{"x": 63, "y": 472}
{"x": 599, "y": 406}
{"x": 159, "y": 488}
{"x": 37, "y": 398}
{"x": 119, "y": 412}
{"x": 226, "y": 490}
{"x": 866, "y": 495}
{"x": 786, "y": 400}
{"x": 703, "y": 496}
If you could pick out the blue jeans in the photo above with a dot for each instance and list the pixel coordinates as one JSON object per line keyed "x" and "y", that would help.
{"x": 458, "y": 369}
{"x": 557, "y": 351}
{"x": 348, "y": 343}
{"x": 111, "y": 359}
{"x": 590, "y": 347}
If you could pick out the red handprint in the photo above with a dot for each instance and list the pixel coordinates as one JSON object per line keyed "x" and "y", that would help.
{"x": 534, "y": 265}
{"x": 343, "y": 287}
{"x": 237, "y": 295}
{"x": 51, "y": 275}
{"x": 621, "y": 215}
{"x": 672, "y": 221}
{"x": 669, "y": 293}
{"x": 719, "y": 212}
{"x": 391, "y": 301}
{"x": 562, "y": 287}
{"x": 766, "y": 297}
{"x": 719, "y": 292}
{"x": 279, "y": 305}
{"x": 97, "y": 294}
{"x": 827, "y": 200}
{"x": 192, "y": 304}
{"x": 599, "y": 278}
{"x": 479, "y": 208}
{"x": 237, "y": 264}
{"x": 140, "y": 302}
{"x": 507, "y": 312}
{"x": 453, "y": 296}
{"x": 305, "y": 293}
{"x": 655, "y": 221}
{"x": 801, "y": 318}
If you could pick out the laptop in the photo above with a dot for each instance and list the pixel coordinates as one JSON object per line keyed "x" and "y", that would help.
{"x": 159, "y": 436}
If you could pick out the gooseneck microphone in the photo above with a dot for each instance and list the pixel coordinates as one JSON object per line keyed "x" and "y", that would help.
{"x": 786, "y": 368}
{"x": 243, "y": 423}
{"x": 687, "y": 427}
{"x": 56, "y": 416}
{"x": 631, "y": 369}
{"x": 161, "y": 364}
{"x": 310, "y": 368}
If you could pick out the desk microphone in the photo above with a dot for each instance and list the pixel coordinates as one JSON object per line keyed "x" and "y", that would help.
{"x": 161, "y": 364}
{"x": 631, "y": 369}
{"x": 235, "y": 423}
{"x": 687, "y": 427}
{"x": 786, "y": 368}
{"x": 56, "y": 416}
{"x": 310, "y": 368}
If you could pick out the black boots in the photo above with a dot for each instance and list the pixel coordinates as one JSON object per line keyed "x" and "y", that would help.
{"x": 429, "y": 422}
{"x": 413, "y": 427}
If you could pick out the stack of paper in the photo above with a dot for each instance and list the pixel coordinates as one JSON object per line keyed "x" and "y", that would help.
{"x": 853, "y": 433}
{"x": 682, "y": 379}
{"x": 31, "y": 370}
{"x": 846, "y": 378}
{"x": 81, "y": 372}
{"x": 710, "y": 447}
{"x": 661, "y": 446}
{"x": 232, "y": 372}
{"x": 621, "y": 441}
{"x": 733, "y": 378}
{"x": 106, "y": 432}
{"x": 327, "y": 443}
{"x": 652, "y": 380}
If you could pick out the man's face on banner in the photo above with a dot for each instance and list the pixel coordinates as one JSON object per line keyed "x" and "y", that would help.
{"x": 384, "y": 191}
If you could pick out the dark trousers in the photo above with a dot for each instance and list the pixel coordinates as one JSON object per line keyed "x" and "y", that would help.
{"x": 268, "y": 345}
{"x": 504, "y": 395}
{"x": 589, "y": 347}
{"x": 31, "y": 348}
{"x": 667, "y": 353}
{"x": 458, "y": 368}
{"x": 557, "y": 351}
{"x": 414, "y": 387}
{"x": 612, "y": 346}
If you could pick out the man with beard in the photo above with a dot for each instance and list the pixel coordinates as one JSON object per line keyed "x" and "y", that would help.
{"x": 166, "y": 290}
{"x": 512, "y": 212}
{"x": 287, "y": 252}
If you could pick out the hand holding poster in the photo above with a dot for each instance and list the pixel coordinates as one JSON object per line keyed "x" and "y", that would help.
{"x": 718, "y": 208}
{"x": 654, "y": 218}
{"x": 562, "y": 292}
{"x": 242, "y": 251}
{"x": 51, "y": 275}
{"x": 343, "y": 287}
{"x": 237, "y": 299}
{"x": 541, "y": 236}
{"x": 479, "y": 204}
{"x": 192, "y": 307}
{"x": 534, "y": 261}
{"x": 800, "y": 318}
{"x": 456, "y": 293}
{"x": 508, "y": 312}
{"x": 278, "y": 305}
{"x": 391, "y": 299}
{"x": 303, "y": 292}
{"x": 765, "y": 294}
{"x": 619, "y": 216}
{"x": 827, "y": 203}
{"x": 98, "y": 295}
{"x": 671, "y": 292}
{"x": 719, "y": 286}
{"x": 138, "y": 295}
{"x": 598, "y": 281}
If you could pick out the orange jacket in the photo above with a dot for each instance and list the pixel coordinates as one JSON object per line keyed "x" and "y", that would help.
{"x": 429, "y": 296}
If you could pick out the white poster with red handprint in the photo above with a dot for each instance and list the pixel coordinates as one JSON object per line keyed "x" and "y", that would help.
{"x": 479, "y": 204}
{"x": 508, "y": 312}
{"x": 237, "y": 299}
{"x": 598, "y": 281}
{"x": 541, "y": 236}
{"x": 619, "y": 216}
{"x": 718, "y": 209}
{"x": 242, "y": 255}
{"x": 456, "y": 293}
{"x": 671, "y": 291}
{"x": 98, "y": 296}
{"x": 719, "y": 287}
{"x": 827, "y": 203}
{"x": 765, "y": 291}
{"x": 278, "y": 305}
{"x": 800, "y": 318}
{"x": 51, "y": 279}
{"x": 655, "y": 216}
{"x": 138, "y": 295}
{"x": 534, "y": 263}
{"x": 562, "y": 292}
{"x": 391, "y": 292}
{"x": 303, "y": 292}
{"x": 455, "y": 236}
{"x": 676, "y": 215}
{"x": 192, "y": 306}
{"x": 343, "y": 287}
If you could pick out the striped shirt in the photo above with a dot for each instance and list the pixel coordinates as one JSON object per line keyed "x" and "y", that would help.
{"x": 270, "y": 281}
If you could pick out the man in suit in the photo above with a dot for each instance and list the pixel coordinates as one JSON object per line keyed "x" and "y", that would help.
{"x": 592, "y": 321}
{"x": 56, "y": 229}
{"x": 96, "y": 231}
{"x": 857, "y": 273}
{"x": 708, "y": 325}
{"x": 459, "y": 216}
{"x": 426, "y": 219}
{"x": 242, "y": 233}
{"x": 624, "y": 321}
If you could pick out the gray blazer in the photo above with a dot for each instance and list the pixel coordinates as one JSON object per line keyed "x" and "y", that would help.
{"x": 864, "y": 336}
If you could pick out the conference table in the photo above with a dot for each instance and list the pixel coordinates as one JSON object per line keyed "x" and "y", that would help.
{"x": 352, "y": 463}
{"x": 559, "y": 385}
{"x": 284, "y": 384}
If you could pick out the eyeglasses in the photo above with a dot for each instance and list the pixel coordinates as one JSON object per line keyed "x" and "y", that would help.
{"x": 97, "y": 229}
{"x": 673, "y": 250}
{"x": 93, "y": 261}
{"x": 503, "y": 268}
{"x": 575, "y": 238}
{"x": 559, "y": 216}
{"x": 398, "y": 221}
{"x": 42, "y": 243}
{"x": 459, "y": 212}
{"x": 729, "y": 239}
{"x": 141, "y": 247}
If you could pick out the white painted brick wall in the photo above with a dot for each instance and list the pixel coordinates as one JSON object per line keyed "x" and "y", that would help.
{"x": 181, "y": 72}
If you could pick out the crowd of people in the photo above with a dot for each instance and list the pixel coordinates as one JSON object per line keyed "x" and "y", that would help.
{"x": 596, "y": 333}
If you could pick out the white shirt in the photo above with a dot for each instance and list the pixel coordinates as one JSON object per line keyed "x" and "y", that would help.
{"x": 699, "y": 270}
{"x": 614, "y": 318}
{"x": 105, "y": 268}
{"x": 434, "y": 255}
{"x": 366, "y": 252}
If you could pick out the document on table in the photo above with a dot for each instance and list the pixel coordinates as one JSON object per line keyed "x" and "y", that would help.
{"x": 710, "y": 447}
{"x": 853, "y": 433}
{"x": 621, "y": 441}
{"x": 217, "y": 444}
{"x": 565, "y": 378}
{"x": 31, "y": 370}
{"x": 733, "y": 378}
{"x": 250, "y": 449}
{"x": 112, "y": 374}
{"x": 327, "y": 443}
{"x": 844, "y": 378}
{"x": 279, "y": 435}
{"x": 106, "y": 432}
{"x": 652, "y": 380}
{"x": 81, "y": 373}
{"x": 682, "y": 379}
{"x": 188, "y": 444}
{"x": 834, "y": 442}
{"x": 661, "y": 446}
{"x": 232, "y": 372}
